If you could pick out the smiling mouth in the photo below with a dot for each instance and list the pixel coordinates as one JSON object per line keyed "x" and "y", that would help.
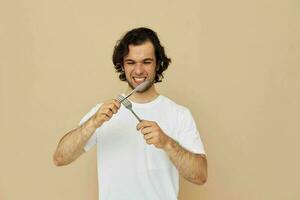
{"x": 139, "y": 79}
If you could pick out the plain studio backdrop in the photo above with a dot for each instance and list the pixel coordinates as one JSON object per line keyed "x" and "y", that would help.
{"x": 234, "y": 65}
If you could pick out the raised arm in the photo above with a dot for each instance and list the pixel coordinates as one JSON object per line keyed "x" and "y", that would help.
{"x": 71, "y": 145}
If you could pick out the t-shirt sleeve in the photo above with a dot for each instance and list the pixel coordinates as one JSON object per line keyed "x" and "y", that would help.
{"x": 93, "y": 139}
{"x": 188, "y": 135}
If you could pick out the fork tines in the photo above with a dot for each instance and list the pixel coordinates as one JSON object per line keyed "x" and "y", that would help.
{"x": 127, "y": 105}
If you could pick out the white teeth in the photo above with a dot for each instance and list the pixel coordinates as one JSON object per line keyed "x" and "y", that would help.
{"x": 138, "y": 79}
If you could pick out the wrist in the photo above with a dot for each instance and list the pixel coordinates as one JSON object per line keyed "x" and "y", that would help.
{"x": 170, "y": 145}
{"x": 96, "y": 122}
{"x": 90, "y": 126}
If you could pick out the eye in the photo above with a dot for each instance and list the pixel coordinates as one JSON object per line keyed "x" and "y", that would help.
{"x": 147, "y": 62}
{"x": 130, "y": 63}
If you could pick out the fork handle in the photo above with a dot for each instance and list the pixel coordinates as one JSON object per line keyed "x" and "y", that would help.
{"x": 137, "y": 117}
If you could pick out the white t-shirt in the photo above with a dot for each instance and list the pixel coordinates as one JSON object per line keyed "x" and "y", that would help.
{"x": 131, "y": 169}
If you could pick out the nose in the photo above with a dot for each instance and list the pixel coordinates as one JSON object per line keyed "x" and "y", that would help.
{"x": 139, "y": 68}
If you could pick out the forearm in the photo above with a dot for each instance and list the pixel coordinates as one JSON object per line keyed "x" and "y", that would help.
{"x": 192, "y": 167}
{"x": 71, "y": 146}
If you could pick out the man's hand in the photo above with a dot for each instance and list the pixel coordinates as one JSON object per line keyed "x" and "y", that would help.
{"x": 71, "y": 146}
{"x": 191, "y": 166}
{"x": 106, "y": 111}
{"x": 153, "y": 134}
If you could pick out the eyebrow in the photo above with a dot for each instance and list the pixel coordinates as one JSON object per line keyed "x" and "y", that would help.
{"x": 130, "y": 60}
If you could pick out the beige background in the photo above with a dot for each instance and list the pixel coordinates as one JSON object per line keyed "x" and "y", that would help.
{"x": 235, "y": 65}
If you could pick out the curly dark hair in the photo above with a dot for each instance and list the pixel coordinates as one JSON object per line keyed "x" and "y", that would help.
{"x": 138, "y": 36}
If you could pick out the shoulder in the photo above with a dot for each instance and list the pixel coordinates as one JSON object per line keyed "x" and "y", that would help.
{"x": 175, "y": 107}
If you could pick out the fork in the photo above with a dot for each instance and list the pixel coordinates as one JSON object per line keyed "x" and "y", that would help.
{"x": 140, "y": 88}
{"x": 127, "y": 105}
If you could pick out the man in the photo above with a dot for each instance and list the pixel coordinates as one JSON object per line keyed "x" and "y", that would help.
{"x": 139, "y": 160}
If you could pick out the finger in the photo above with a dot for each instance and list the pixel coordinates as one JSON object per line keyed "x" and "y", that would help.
{"x": 107, "y": 112}
{"x": 113, "y": 108}
{"x": 105, "y": 117}
{"x": 150, "y": 141}
{"x": 146, "y": 130}
{"x": 116, "y": 103}
{"x": 103, "y": 108}
{"x": 144, "y": 124}
{"x": 112, "y": 103}
{"x": 148, "y": 136}
{"x": 110, "y": 107}
{"x": 116, "y": 106}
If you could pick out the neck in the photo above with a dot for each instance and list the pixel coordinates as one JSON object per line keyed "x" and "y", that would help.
{"x": 143, "y": 97}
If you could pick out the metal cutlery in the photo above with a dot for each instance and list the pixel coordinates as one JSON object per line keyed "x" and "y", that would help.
{"x": 140, "y": 88}
{"x": 127, "y": 105}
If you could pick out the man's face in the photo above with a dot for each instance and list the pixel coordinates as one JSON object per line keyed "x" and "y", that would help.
{"x": 140, "y": 64}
